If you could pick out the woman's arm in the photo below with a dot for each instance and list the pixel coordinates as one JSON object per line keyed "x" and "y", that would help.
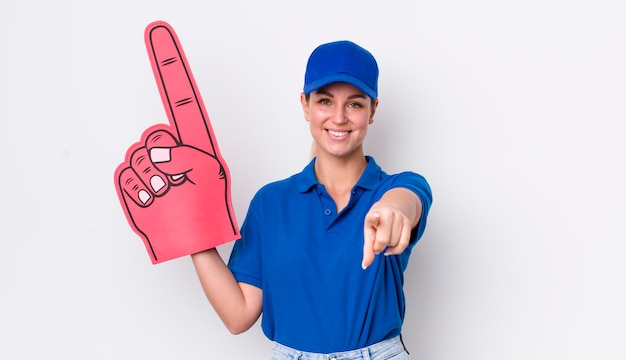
{"x": 239, "y": 305}
{"x": 389, "y": 223}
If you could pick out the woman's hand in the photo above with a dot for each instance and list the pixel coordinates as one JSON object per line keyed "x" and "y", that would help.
{"x": 389, "y": 222}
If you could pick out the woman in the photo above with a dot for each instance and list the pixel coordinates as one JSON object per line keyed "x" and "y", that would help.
{"x": 309, "y": 256}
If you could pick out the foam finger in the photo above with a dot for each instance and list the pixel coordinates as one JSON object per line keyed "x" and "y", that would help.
{"x": 179, "y": 93}
{"x": 133, "y": 188}
{"x": 145, "y": 170}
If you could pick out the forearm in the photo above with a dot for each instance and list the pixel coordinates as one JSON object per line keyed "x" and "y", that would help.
{"x": 237, "y": 304}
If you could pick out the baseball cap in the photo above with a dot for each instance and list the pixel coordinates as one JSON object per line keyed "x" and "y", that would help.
{"x": 342, "y": 61}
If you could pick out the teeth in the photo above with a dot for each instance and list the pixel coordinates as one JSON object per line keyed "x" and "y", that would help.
{"x": 338, "y": 133}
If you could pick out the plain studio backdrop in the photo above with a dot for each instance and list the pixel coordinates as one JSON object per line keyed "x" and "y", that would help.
{"x": 513, "y": 110}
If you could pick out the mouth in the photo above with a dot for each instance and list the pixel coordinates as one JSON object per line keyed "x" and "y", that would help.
{"x": 338, "y": 134}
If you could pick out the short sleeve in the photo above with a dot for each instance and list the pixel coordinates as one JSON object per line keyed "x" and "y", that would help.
{"x": 245, "y": 258}
{"x": 421, "y": 188}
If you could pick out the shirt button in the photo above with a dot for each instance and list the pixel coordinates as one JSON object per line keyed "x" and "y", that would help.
{"x": 327, "y": 212}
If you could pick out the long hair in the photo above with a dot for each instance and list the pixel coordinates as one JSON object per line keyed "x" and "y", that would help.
{"x": 313, "y": 151}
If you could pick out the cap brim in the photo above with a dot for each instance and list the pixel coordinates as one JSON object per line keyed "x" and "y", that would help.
{"x": 308, "y": 88}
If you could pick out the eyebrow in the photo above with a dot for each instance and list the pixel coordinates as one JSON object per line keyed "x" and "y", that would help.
{"x": 327, "y": 93}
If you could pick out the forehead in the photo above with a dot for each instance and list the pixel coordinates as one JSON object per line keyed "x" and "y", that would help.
{"x": 337, "y": 88}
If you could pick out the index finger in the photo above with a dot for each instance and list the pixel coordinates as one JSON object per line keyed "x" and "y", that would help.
{"x": 179, "y": 93}
{"x": 369, "y": 236}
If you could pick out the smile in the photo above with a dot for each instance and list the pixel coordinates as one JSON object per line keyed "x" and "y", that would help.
{"x": 338, "y": 133}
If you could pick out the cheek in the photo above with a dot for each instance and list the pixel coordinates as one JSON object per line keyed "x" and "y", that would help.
{"x": 313, "y": 124}
{"x": 364, "y": 122}
{"x": 316, "y": 117}
{"x": 315, "y": 128}
{"x": 364, "y": 131}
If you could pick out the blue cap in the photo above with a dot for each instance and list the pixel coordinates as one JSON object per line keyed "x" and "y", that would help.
{"x": 342, "y": 61}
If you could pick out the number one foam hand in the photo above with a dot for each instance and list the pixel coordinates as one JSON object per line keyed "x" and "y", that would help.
{"x": 174, "y": 186}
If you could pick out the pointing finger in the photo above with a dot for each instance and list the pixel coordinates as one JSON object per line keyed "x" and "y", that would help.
{"x": 369, "y": 232}
{"x": 179, "y": 93}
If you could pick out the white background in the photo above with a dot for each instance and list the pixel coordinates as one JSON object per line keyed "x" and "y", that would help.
{"x": 513, "y": 110}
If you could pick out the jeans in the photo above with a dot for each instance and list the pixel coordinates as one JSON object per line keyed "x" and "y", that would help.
{"x": 391, "y": 349}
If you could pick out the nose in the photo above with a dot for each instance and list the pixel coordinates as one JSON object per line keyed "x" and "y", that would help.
{"x": 339, "y": 115}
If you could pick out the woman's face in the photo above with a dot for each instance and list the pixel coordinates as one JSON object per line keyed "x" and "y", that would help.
{"x": 338, "y": 116}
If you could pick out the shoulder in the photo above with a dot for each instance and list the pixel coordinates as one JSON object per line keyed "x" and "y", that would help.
{"x": 414, "y": 182}
{"x": 409, "y": 178}
{"x": 406, "y": 179}
{"x": 278, "y": 186}
{"x": 297, "y": 183}
{"x": 277, "y": 190}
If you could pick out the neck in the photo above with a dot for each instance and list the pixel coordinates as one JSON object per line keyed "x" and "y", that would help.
{"x": 339, "y": 174}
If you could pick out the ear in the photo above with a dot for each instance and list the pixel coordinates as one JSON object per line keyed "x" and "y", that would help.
{"x": 374, "y": 107}
{"x": 305, "y": 106}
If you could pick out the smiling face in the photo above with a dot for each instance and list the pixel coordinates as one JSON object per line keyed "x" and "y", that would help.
{"x": 338, "y": 116}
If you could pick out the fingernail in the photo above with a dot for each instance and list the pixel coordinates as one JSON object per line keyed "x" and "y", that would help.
{"x": 144, "y": 196}
{"x": 363, "y": 266}
{"x": 158, "y": 155}
{"x": 157, "y": 183}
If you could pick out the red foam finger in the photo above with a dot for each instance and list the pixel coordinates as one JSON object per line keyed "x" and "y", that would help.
{"x": 148, "y": 173}
{"x": 173, "y": 186}
{"x": 134, "y": 188}
{"x": 179, "y": 93}
{"x": 162, "y": 139}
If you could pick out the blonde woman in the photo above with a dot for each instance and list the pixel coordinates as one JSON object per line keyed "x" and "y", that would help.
{"x": 323, "y": 252}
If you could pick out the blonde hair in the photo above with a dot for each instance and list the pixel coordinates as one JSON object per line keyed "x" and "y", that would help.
{"x": 312, "y": 152}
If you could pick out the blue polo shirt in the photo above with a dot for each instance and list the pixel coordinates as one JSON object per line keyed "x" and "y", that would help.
{"x": 306, "y": 258}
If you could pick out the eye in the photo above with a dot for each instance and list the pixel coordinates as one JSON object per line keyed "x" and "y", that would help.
{"x": 324, "y": 101}
{"x": 355, "y": 105}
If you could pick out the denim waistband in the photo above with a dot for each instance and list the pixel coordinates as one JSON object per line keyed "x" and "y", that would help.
{"x": 381, "y": 350}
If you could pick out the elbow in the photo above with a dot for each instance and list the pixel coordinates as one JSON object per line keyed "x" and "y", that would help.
{"x": 239, "y": 324}
{"x": 238, "y": 328}
{"x": 236, "y": 331}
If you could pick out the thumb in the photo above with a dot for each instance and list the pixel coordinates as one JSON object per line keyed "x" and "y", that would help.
{"x": 184, "y": 159}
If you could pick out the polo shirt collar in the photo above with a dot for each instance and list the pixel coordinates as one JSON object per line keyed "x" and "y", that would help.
{"x": 368, "y": 180}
